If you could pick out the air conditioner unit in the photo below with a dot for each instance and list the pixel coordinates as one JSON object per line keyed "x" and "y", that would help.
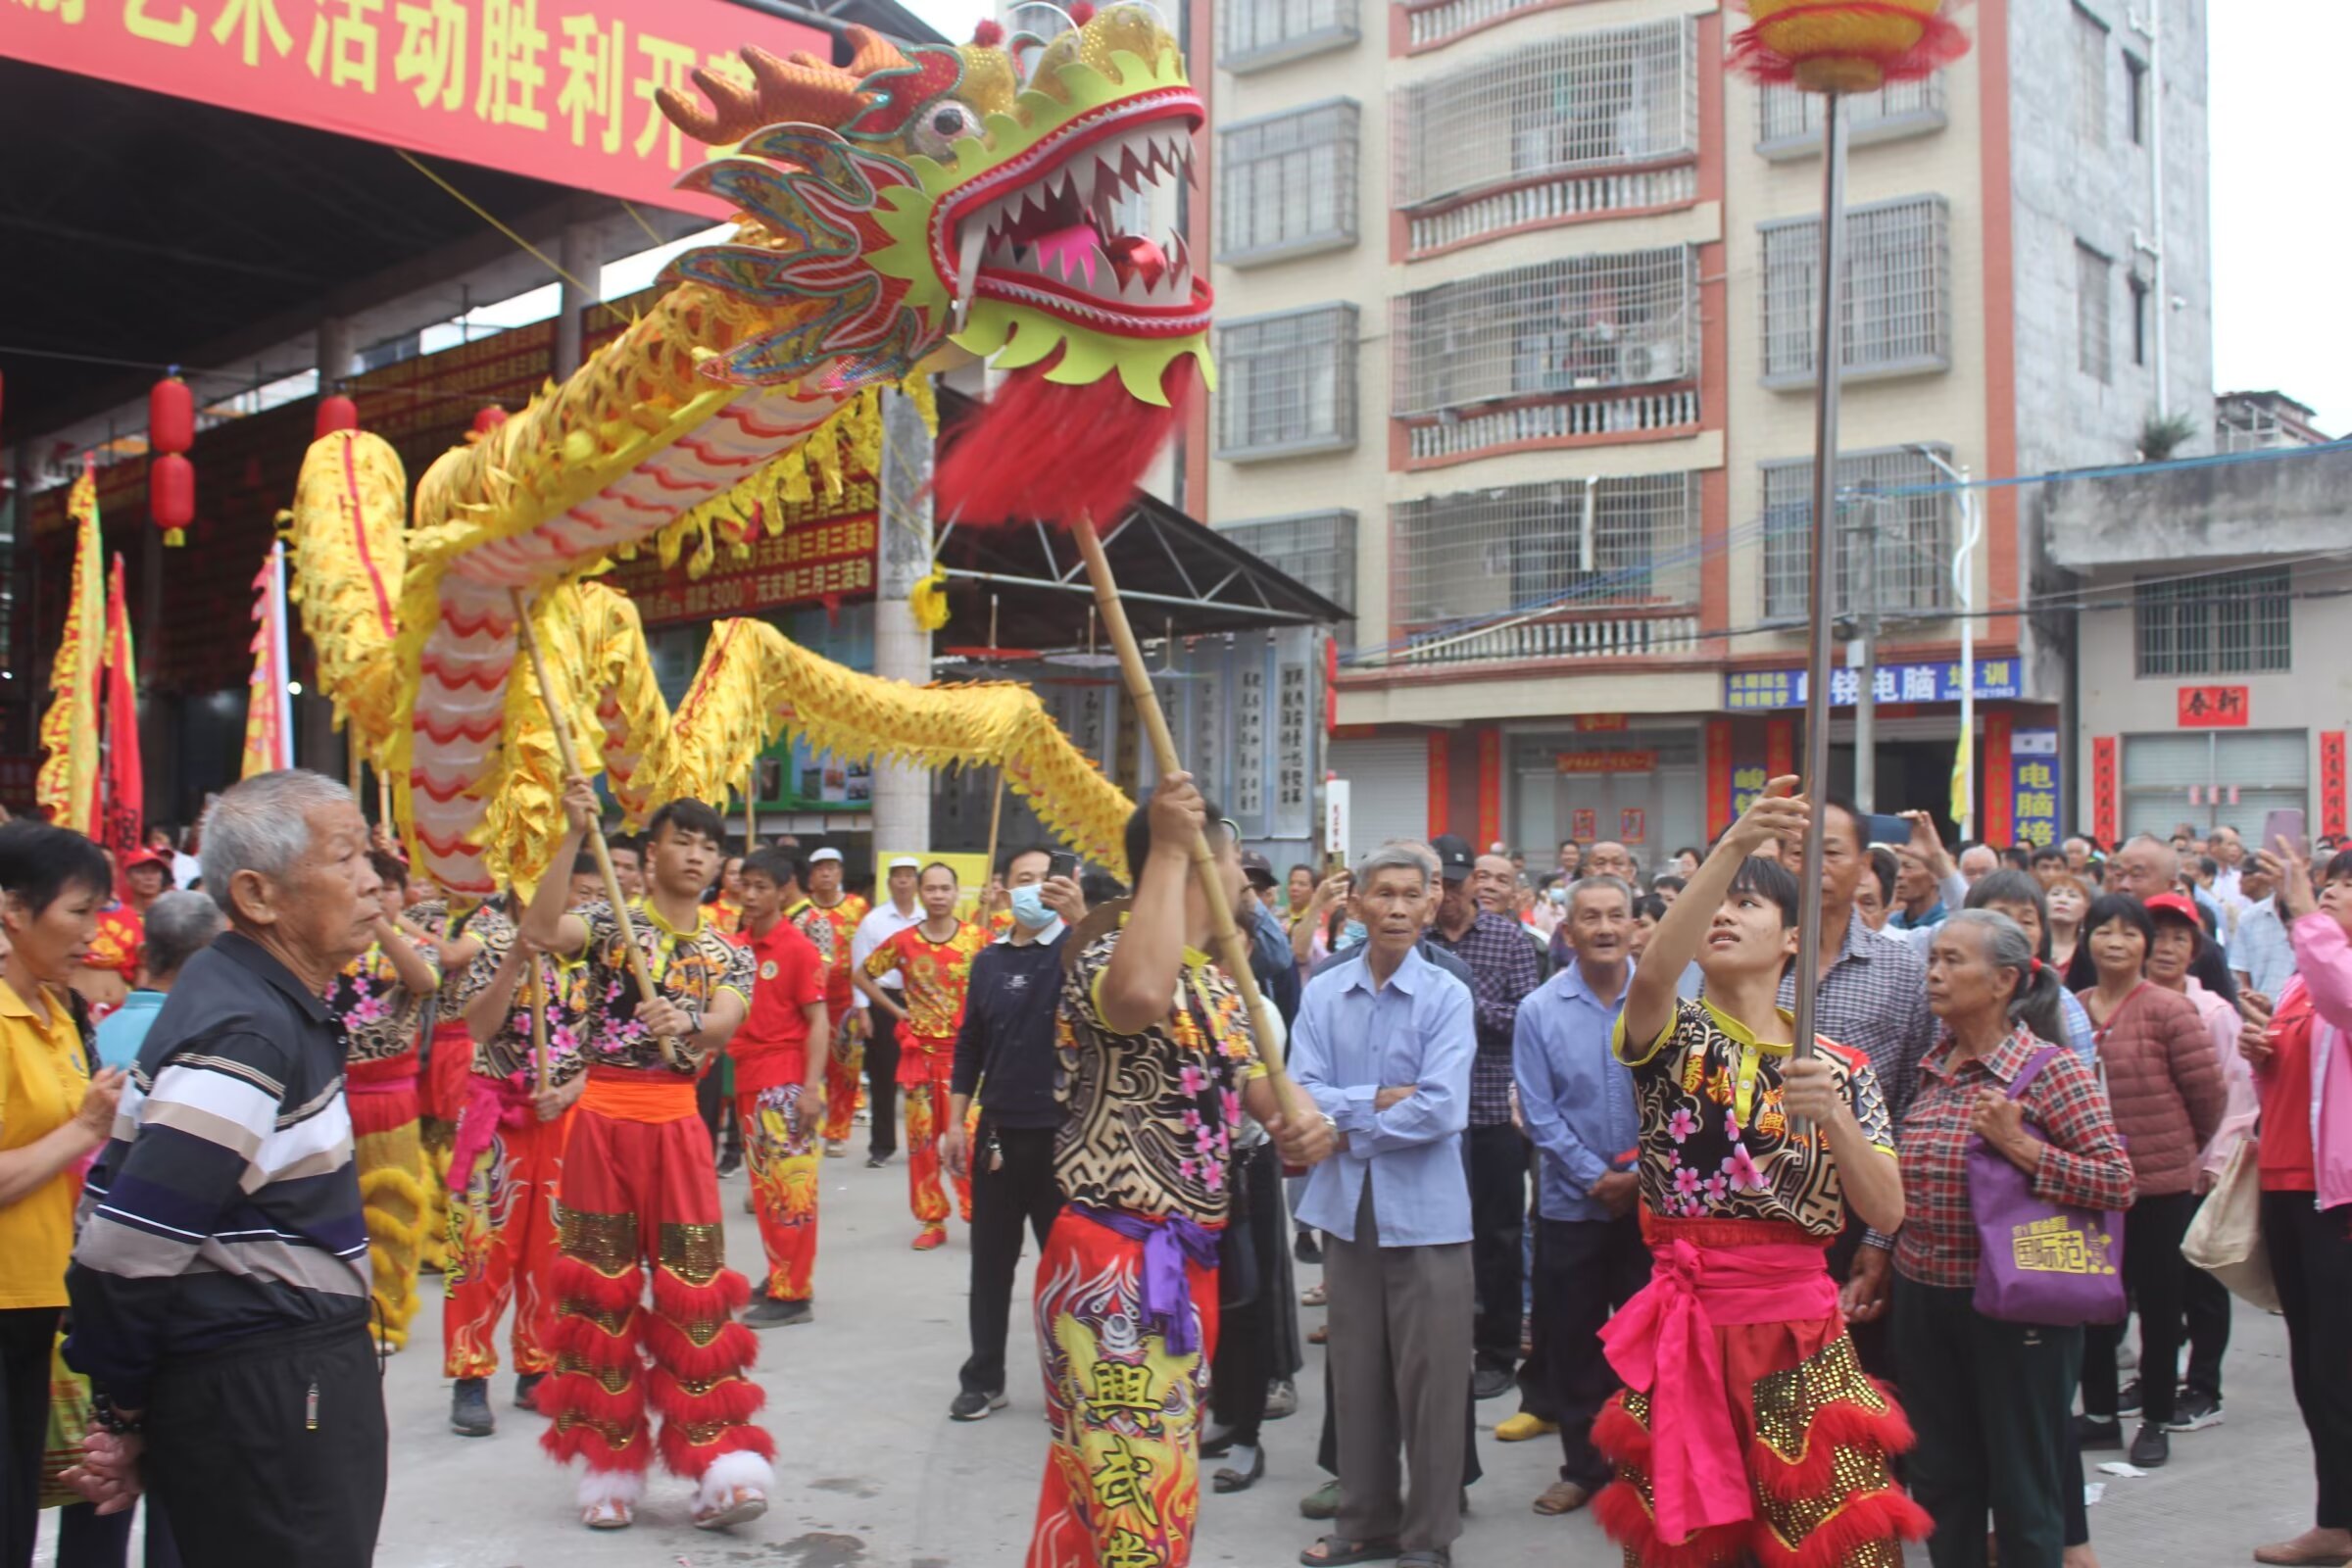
{"x": 1659, "y": 360}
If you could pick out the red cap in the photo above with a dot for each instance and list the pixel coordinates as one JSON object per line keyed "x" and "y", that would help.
{"x": 2175, "y": 904}
{"x": 146, "y": 858}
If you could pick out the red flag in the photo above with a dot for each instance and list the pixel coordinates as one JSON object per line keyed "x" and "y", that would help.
{"x": 123, "y": 791}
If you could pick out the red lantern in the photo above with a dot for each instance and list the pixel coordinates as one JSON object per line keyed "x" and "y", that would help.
{"x": 171, "y": 496}
{"x": 489, "y": 419}
{"x": 171, "y": 416}
{"x": 336, "y": 412}
{"x": 1845, "y": 45}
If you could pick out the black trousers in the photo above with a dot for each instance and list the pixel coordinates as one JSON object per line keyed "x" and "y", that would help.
{"x": 1585, "y": 1270}
{"x": 1023, "y": 1189}
{"x": 1251, "y": 1335}
{"x": 2207, "y": 1303}
{"x": 1498, "y": 1159}
{"x": 2311, "y": 1260}
{"x": 1991, "y": 1403}
{"x": 2155, "y": 1273}
{"x": 88, "y": 1539}
{"x": 26, "y": 1335}
{"x": 272, "y": 1450}
{"x": 882, "y": 1079}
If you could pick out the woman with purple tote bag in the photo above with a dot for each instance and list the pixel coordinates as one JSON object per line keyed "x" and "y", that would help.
{"x": 1991, "y": 1399}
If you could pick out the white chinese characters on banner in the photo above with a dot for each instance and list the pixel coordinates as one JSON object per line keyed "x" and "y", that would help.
{"x": 1249, "y": 742}
{"x": 1292, "y": 787}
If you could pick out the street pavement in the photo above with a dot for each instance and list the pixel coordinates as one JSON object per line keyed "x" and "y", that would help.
{"x": 872, "y": 1474}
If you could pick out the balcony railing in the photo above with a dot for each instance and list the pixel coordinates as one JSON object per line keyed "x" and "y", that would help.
{"x": 1617, "y": 415}
{"x": 1560, "y": 200}
{"x": 1429, "y": 23}
{"x": 1629, "y": 633}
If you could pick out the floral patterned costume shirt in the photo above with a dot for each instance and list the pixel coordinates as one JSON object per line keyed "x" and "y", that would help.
{"x": 507, "y": 1054}
{"x": 831, "y": 929}
{"x": 936, "y": 976}
{"x": 1715, "y": 1143}
{"x": 1148, "y": 1120}
{"x": 117, "y": 942}
{"x": 689, "y": 968}
{"x": 379, "y": 1015}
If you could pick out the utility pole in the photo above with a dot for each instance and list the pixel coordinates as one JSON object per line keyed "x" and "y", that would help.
{"x": 1866, "y": 695}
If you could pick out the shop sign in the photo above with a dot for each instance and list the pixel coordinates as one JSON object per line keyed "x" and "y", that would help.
{"x": 2214, "y": 706}
{"x": 1580, "y": 762}
{"x": 812, "y": 559}
{"x": 1291, "y": 707}
{"x": 1599, "y": 723}
{"x": 2035, "y": 787}
{"x": 560, "y": 90}
{"x": 1757, "y": 689}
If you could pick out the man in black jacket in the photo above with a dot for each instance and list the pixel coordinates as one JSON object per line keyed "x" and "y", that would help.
{"x": 1004, "y": 1058}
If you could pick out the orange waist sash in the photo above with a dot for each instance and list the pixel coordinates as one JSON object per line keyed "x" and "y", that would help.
{"x": 646, "y": 1097}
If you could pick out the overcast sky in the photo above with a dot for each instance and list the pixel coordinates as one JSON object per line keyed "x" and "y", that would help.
{"x": 2280, "y": 138}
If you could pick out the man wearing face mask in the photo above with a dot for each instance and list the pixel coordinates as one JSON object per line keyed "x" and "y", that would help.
{"x": 1004, "y": 1058}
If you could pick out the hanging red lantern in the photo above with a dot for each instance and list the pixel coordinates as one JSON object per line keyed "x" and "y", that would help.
{"x": 1845, "y": 45}
{"x": 489, "y": 419}
{"x": 171, "y": 416}
{"x": 171, "y": 496}
{"x": 336, "y": 412}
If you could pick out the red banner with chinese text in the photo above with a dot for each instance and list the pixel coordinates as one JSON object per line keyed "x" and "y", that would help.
{"x": 1490, "y": 787}
{"x": 560, "y": 90}
{"x": 1996, "y": 780}
{"x": 814, "y": 557}
{"x": 2331, "y": 783}
{"x": 1719, "y": 774}
{"x": 122, "y": 792}
{"x": 2106, "y": 800}
{"x": 1441, "y": 784}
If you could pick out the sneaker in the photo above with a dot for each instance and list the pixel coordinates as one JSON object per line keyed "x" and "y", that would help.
{"x": 1492, "y": 1383}
{"x": 1306, "y": 1249}
{"x": 2193, "y": 1412}
{"x": 2098, "y": 1431}
{"x": 876, "y": 1161}
{"x": 730, "y": 1163}
{"x": 837, "y": 1150}
{"x": 469, "y": 1409}
{"x": 931, "y": 1238}
{"x": 970, "y": 1405}
{"x": 1321, "y": 1503}
{"x": 527, "y": 1388}
{"x": 2126, "y": 1399}
{"x": 1522, "y": 1427}
{"x": 768, "y": 1313}
{"x": 2150, "y": 1449}
{"x": 1281, "y": 1400}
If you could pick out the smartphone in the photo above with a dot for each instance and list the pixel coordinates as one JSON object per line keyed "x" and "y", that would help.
{"x": 1062, "y": 863}
{"x": 2287, "y": 824}
{"x": 1886, "y": 829}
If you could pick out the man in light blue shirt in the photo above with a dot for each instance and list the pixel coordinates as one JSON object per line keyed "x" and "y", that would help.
{"x": 1577, "y": 1103}
{"x": 1383, "y": 1046}
{"x": 2259, "y": 950}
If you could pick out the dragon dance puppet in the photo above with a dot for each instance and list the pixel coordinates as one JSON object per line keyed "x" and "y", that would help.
{"x": 912, "y": 197}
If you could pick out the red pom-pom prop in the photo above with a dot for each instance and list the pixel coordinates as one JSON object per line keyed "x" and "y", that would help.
{"x": 1082, "y": 13}
{"x": 336, "y": 412}
{"x": 171, "y": 496}
{"x": 1845, "y": 45}
{"x": 489, "y": 419}
{"x": 988, "y": 33}
{"x": 1058, "y": 453}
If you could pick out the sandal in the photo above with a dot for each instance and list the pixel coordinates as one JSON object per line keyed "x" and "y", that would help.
{"x": 1333, "y": 1550}
{"x": 607, "y": 1515}
{"x": 1320, "y": 1334}
{"x": 1314, "y": 1295}
{"x": 1228, "y": 1479}
{"x": 741, "y": 1505}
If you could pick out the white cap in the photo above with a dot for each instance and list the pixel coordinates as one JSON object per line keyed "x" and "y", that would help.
{"x": 906, "y": 863}
{"x": 823, "y": 854}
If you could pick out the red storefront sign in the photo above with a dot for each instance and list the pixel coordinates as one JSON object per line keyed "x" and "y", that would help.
{"x": 2214, "y": 706}
{"x": 2106, "y": 798}
{"x": 813, "y": 558}
{"x": 562, "y": 90}
{"x": 1636, "y": 761}
{"x": 2331, "y": 783}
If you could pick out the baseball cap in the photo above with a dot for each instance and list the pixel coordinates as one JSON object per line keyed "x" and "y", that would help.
{"x": 2174, "y": 904}
{"x": 1453, "y": 857}
{"x": 904, "y": 862}
{"x": 824, "y": 855}
{"x": 1257, "y": 868}
{"x": 146, "y": 858}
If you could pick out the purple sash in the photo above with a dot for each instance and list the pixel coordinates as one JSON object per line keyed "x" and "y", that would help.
{"x": 1167, "y": 1246}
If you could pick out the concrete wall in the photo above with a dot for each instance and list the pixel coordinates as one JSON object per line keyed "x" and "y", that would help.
{"x": 2295, "y": 502}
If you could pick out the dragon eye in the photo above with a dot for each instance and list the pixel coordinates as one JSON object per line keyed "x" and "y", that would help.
{"x": 939, "y": 129}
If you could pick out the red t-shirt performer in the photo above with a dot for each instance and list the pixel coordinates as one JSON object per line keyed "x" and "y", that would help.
{"x": 780, "y": 1083}
{"x": 935, "y": 958}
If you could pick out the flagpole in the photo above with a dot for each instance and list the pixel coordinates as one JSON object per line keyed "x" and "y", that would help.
{"x": 284, "y": 696}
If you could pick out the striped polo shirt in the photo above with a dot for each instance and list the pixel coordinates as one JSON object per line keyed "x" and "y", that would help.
{"x": 226, "y": 1205}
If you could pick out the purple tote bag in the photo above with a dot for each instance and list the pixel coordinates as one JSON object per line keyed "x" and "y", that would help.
{"x": 2039, "y": 1261}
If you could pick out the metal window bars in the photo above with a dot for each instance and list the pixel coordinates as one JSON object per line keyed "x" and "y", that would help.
{"x": 2094, "y": 308}
{"x": 1786, "y": 116}
{"x": 1288, "y": 184}
{"x": 1287, "y": 383}
{"x": 1568, "y": 328}
{"x": 2090, "y": 78}
{"x": 2236, "y": 625}
{"x": 1250, "y": 29}
{"x": 1605, "y": 98}
{"x": 1541, "y": 551}
{"x": 1317, "y": 548}
{"x": 1898, "y": 290}
{"x": 1897, "y": 492}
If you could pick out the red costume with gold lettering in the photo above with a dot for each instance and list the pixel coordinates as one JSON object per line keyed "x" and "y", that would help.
{"x": 936, "y": 976}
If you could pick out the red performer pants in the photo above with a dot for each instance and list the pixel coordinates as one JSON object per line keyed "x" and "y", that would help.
{"x": 783, "y": 1166}
{"x": 640, "y": 1187}
{"x": 925, "y": 1067}
{"x": 845, "y": 1071}
{"x": 441, "y": 1095}
{"x": 1122, "y": 1479}
{"x": 501, "y": 1235}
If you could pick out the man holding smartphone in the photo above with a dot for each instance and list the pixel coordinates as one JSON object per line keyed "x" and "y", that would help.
{"x": 1005, "y": 1046}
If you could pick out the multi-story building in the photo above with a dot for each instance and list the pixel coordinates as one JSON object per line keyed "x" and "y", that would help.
{"x": 1516, "y": 304}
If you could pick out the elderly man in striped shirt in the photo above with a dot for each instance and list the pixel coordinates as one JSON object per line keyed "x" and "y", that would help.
{"x": 220, "y": 1288}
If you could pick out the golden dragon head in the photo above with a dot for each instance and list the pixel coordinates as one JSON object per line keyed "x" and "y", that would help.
{"x": 982, "y": 193}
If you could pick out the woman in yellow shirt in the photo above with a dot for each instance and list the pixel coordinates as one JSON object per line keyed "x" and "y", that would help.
{"x": 53, "y": 1115}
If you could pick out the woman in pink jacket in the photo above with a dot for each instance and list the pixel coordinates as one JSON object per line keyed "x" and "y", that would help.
{"x": 2303, "y": 1067}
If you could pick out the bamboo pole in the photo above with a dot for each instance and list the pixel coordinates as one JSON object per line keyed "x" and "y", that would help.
{"x": 538, "y": 999}
{"x": 597, "y": 847}
{"x": 996, "y": 805}
{"x": 1231, "y": 950}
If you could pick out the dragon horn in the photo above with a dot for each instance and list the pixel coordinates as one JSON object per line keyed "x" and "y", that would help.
{"x": 871, "y": 52}
{"x": 734, "y": 103}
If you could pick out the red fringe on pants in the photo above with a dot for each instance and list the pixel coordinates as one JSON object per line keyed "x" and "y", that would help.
{"x": 640, "y": 1200}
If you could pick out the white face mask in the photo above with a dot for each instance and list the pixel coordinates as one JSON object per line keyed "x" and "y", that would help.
{"x": 1029, "y": 908}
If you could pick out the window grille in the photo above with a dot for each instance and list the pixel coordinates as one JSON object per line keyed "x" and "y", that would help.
{"x": 1558, "y": 328}
{"x": 1524, "y": 548}
{"x": 2090, "y": 78}
{"x": 1787, "y": 118}
{"x": 1600, "y": 99}
{"x": 2236, "y": 625}
{"x": 1286, "y": 383}
{"x": 1898, "y": 290}
{"x": 1287, "y": 183}
{"x": 2092, "y": 310}
{"x": 1316, "y": 548}
{"x": 1262, "y": 32}
{"x": 1914, "y": 531}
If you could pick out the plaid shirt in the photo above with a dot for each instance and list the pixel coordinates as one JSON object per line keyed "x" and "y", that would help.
{"x": 2083, "y": 1163}
{"x": 1502, "y": 971}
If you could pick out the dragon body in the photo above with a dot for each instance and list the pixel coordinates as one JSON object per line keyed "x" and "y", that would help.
{"x": 884, "y": 208}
